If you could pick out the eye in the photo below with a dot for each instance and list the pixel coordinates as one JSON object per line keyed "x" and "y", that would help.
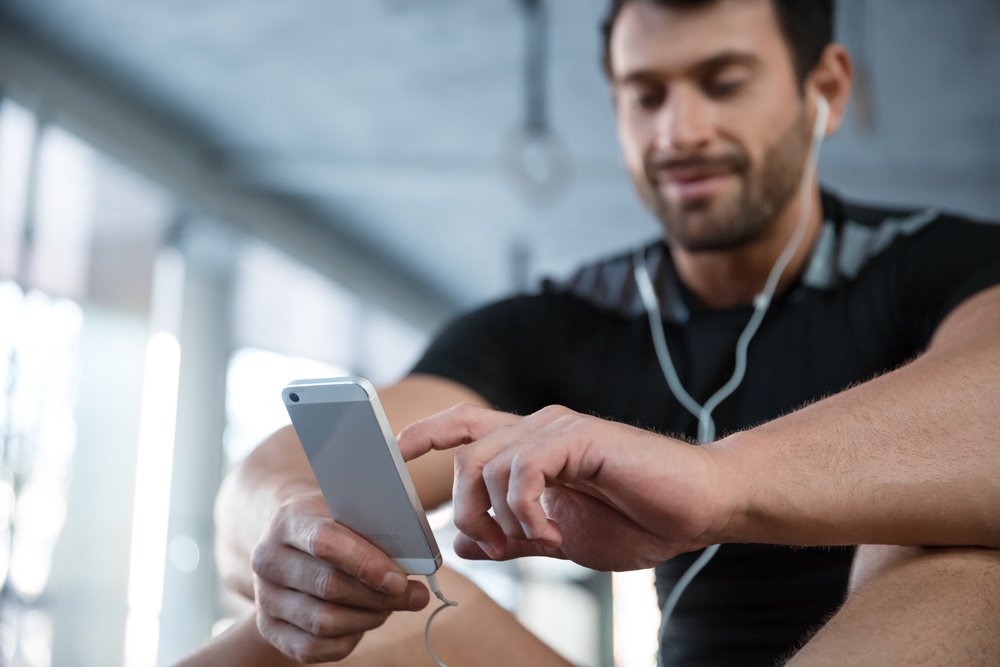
{"x": 650, "y": 100}
{"x": 647, "y": 98}
{"x": 722, "y": 88}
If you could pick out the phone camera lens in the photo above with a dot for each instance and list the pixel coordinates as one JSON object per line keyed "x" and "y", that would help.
{"x": 293, "y": 397}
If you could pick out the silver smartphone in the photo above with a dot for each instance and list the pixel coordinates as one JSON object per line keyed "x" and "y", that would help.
{"x": 354, "y": 456}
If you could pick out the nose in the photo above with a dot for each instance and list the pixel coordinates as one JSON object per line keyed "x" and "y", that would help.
{"x": 685, "y": 124}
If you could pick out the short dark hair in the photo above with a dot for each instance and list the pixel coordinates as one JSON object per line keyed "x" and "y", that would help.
{"x": 807, "y": 26}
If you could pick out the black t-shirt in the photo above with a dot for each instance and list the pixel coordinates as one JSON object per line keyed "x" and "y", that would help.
{"x": 876, "y": 286}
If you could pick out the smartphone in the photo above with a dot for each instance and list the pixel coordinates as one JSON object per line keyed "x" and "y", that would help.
{"x": 354, "y": 456}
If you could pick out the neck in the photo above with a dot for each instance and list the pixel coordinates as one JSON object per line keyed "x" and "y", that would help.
{"x": 733, "y": 277}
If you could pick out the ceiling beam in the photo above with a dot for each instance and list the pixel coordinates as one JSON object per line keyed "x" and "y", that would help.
{"x": 157, "y": 144}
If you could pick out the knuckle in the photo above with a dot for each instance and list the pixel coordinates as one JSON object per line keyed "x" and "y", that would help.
{"x": 365, "y": 565}
{"x": 261, "y": 559}
{"x": 465, "y": 458}
{"x": 493, "y": 468}
{"x": 518, "y": 504}
{"x": 464, "y": 407}
{"x": 554, "y": 412}
{"x": 324, "y": 624}
{"x": 264, "y": 597}
{"x": 311, "y": 538}
{"x": 265, "y": 626}
{"x": 522, "y": 463}
{"x": 329, "y": 584}
{"x": 465, "y": 524}
{"x": 322, "y": 583}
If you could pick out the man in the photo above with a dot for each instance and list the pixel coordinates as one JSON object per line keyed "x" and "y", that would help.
{"x": 885, "y": 325}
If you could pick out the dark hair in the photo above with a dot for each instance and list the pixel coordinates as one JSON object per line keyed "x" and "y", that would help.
{"x": 807, "y": 26}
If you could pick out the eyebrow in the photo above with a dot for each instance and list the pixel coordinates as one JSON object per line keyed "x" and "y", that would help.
{"x": 700, "y": 68}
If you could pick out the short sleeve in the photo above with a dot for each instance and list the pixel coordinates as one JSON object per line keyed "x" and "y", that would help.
{"x": 493, "y": 351}
{"x": 940, "y": 267}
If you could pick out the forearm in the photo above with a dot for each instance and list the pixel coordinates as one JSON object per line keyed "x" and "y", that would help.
{"x": 908, "y": 458}
{"x": 273, "y": 472}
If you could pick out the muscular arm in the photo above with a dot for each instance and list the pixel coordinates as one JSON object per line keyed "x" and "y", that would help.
{"x": 909, "y": 458}
{"x": 278, "y": 470}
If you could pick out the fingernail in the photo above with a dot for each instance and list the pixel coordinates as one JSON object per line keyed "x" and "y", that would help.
{"x": 527, "y": 531}
{"x": 488, "y": 549}
{"x": 394, "y": 583}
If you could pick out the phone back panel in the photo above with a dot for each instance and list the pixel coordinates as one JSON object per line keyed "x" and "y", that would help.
{"x": 353, "y": 454}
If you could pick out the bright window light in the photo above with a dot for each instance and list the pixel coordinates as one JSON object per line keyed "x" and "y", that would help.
{"x": 151, "y": 511}
{"x": 253, "y": 394}
{"x": 636, "y": 618}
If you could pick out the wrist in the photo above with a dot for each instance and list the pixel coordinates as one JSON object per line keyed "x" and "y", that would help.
{"x": 733, "y": 486}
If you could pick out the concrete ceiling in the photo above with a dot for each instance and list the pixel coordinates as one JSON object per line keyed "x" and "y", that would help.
{"x": 388, "y": 118}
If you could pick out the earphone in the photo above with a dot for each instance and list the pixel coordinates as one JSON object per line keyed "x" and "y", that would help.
{"x": 761, "y": 303}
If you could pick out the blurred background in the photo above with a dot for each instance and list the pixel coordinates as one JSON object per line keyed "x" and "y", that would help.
{"x": 200, "y": 201}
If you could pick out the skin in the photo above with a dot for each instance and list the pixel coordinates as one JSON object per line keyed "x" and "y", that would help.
{"x": 476, "y": 633}
{"x": 865, "y": 466}
{"x": 709, "y": 113}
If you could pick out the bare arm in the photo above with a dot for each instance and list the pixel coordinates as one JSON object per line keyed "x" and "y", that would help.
{"x": 909, "y": 458}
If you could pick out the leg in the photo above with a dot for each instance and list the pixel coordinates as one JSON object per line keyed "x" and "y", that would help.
{"x": 477, "y": 632}
{"x": 914, "y": 606}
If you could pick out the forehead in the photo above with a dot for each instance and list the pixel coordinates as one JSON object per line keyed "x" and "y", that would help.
{"x": 669, "y": 40}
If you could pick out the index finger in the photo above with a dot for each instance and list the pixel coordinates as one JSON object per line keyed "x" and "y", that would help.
{"x": 458, "y": 425}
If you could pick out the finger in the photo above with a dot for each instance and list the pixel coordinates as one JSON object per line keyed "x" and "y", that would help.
{"x": 470, "y": 549}
{"x": 471, "y": 501}
{"x": 481, "y": 472}
{"x": 346, "y": 550}
{"x": 302, "y": 646}
{"x": 293, "y": 569}
{"x": 559, "y": 454}
{"x": 317, "y": 617}
{"x": 458, "y": 425}
{"x": 496, "y": 475}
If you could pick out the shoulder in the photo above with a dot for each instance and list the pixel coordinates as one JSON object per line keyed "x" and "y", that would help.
{"x": 606, "y": 284}
{"x": 856, "y": 236}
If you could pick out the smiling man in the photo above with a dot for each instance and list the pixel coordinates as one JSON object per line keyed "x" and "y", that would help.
{"x": 884, "y": 324}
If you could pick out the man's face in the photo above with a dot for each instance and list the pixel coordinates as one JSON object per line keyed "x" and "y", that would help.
{"x": 710, "y": 118}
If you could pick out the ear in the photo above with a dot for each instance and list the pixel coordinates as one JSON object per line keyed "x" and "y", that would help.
{"x": 831, "y": 78}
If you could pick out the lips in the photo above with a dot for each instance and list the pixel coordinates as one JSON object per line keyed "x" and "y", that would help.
{"x": 693, "y": 182}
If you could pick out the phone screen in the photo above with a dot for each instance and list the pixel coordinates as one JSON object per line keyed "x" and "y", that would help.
{"x": 353, "y": 465}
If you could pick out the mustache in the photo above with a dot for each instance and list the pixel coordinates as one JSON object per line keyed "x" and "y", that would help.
{"x": 734, "y": 161}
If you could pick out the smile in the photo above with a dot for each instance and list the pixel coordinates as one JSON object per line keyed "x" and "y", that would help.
{"x": 693, "y": 183}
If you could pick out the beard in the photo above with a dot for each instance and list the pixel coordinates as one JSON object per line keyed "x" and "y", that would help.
{"x": 725, "y": 220}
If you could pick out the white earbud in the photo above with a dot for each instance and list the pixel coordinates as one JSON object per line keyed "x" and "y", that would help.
{"x": 822, "y": 118}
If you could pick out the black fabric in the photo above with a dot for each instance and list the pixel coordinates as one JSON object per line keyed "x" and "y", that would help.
{"x": 752, "y": 603}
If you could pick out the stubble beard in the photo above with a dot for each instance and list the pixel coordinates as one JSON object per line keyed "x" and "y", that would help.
{"x": 724, "y": 222}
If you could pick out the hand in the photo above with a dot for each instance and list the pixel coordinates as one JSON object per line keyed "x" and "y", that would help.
{"x": 319, "y": 586}
{"x": 566, "y": 485}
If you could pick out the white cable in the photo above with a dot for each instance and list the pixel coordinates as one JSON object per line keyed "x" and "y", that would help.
{"x": 436, "y": 589}
{"x": 761, "y": 304}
